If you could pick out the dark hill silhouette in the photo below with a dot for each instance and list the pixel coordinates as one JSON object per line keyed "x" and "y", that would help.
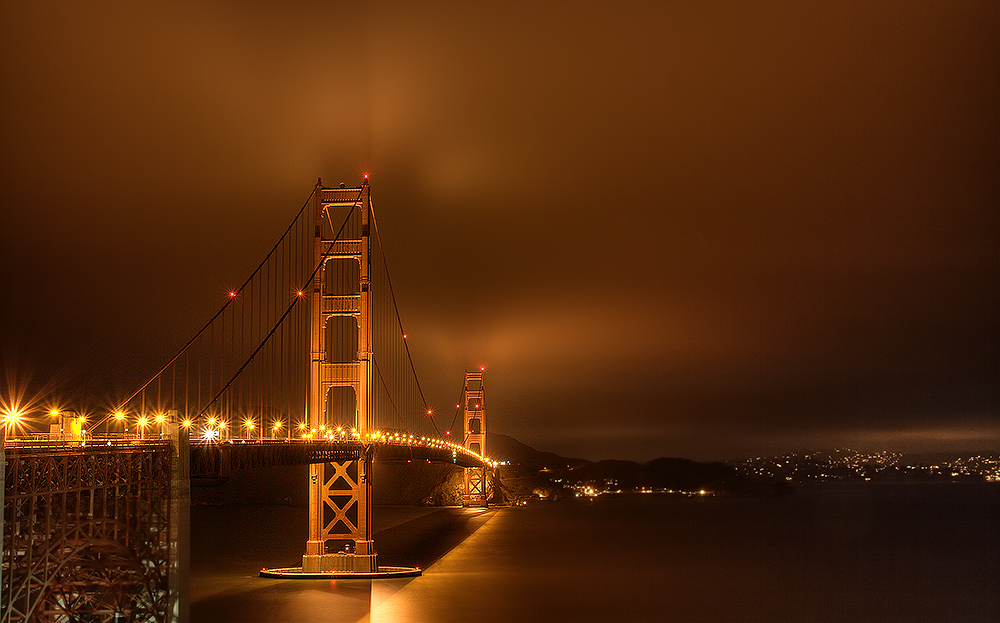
{"x": 504, "y": 448}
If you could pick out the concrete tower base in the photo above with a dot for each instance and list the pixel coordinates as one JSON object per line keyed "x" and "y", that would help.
{"x": 354, "y": 563}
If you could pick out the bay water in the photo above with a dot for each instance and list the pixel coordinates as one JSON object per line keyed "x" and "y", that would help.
{"x": 922, "y": 552}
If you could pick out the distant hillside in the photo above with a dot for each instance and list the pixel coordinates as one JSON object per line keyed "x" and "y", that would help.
{"x": 503, "y": 448}
{"x": 664, "y": 473}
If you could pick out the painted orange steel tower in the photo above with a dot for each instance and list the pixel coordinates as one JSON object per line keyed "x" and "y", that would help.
{"x": 340, "y": 311}
{"x": 475, "y": 437}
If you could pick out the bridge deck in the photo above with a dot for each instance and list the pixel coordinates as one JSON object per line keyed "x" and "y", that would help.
{"x": 223, "y": 456}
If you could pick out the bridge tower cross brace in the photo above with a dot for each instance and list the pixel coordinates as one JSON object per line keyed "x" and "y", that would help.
{"x": 474, "y": 409}
{"x": 340, "y": 493}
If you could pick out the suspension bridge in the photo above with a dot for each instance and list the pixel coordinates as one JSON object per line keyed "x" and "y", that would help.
{"x": 306, "y": 362}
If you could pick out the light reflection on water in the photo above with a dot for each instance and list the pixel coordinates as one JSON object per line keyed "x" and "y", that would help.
{"x": 904, "y": 553}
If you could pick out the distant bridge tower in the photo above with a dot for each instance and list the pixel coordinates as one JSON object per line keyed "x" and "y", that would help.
{"x": 474, "y": 409}
{"x": 340, "y": 387}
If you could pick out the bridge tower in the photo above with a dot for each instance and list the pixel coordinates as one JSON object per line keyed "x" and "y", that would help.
{"x": 340, "y": 312}
{"x": 474, "y": 409}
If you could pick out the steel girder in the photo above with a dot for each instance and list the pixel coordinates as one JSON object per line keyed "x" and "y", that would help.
{"x": 88, "y": 535}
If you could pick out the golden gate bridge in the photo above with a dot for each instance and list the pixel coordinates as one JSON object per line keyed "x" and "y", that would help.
{"x": 306, "y": 362}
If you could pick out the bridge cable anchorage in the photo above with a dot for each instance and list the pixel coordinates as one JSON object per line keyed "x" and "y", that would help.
{"x": 295, "y": 301}
{"x": 212, "y": 320}
{"x": 399, "y": 322}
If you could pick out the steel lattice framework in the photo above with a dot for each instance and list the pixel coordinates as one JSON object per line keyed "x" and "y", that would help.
{"x": 88, "y": 534}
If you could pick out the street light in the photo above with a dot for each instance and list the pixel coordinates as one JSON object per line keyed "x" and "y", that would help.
{"x": 249, "y": 425}
{"x": 276, "y": 428}
{"x": 120, "y": 418}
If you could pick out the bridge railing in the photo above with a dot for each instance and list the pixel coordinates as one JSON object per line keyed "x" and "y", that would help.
{"x": 56, "y": 443}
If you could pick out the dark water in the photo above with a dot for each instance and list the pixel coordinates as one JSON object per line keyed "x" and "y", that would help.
{"x": 907, "y": 553}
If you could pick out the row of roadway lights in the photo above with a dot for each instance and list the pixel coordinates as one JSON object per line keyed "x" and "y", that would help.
{"x": 216, "y": 428}
{"x": 14, "y": 418}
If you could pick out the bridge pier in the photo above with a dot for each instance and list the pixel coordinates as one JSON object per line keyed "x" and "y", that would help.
{"x": 340, "y": 514}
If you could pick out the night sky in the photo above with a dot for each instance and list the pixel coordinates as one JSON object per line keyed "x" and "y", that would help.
{"x": 708, "y": 230}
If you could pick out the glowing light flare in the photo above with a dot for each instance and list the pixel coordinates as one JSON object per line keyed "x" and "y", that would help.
{"x": 12, "y": 419}
{"x": 119, "y": 415}
{"x": 187, "y": 423}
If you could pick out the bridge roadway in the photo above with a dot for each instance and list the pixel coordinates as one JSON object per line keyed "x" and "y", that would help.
{"x": 209, "y": 458}
{"x": 221, "y": 457}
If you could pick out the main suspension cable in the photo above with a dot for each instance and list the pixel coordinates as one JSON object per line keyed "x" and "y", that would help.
{"x": 228, "y": 302}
